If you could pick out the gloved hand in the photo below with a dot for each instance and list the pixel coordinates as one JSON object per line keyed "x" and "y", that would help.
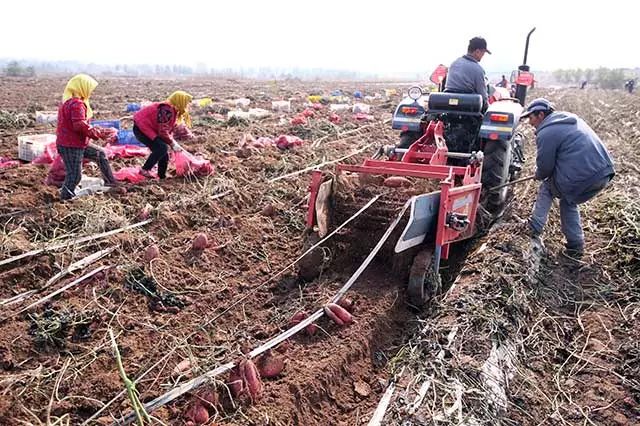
{"x": 176, "y": 147}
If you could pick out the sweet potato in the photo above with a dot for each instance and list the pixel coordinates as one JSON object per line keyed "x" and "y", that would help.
{"x": 269, "y": 366}
{"x": 145, "y": 213}
{"x": 208, "y": 397}
{"x": 236, "y": 383}
{"x": 300, "y": 316}
{"x": 311, "y": 329}
{"x": 151, "y": 253}
{"x": 339, "y": 312}
{"x": 198, "y": 414}
{"x": 182, "y": 367}
{"x": 346, "y": 303}
{"x": 268, "y": 210}
{"x": 397, "y": 182}
{"x": 200, "y": 242}
{"x": 335, "y": 318}
{"x": 252, "y": 380}
{"x": 297, "y": 318}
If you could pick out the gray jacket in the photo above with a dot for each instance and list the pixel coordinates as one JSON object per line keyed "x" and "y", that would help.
{"x": 571, "y": 154}
{"x": 466, "y": 76}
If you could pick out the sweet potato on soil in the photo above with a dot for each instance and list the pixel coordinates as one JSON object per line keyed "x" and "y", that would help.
{"x": 300, "y": 316}
{"x": 328, "y": 312}
{"x": 269, "y": 366}
{"x": 235, "y": 383}
{"x": 252, "y": 380}
{"x": 338, "y": 314}
{"x": 297, "y": 318}
{"x": 268, "y": 210}
{"x": 346, "y": 303}
{"x": 208, "y": 397}
{"x": 200, "y": 242}
{"x": 311, "y": 329}
{"x": 151, "y": 253}
{"x": 145, "y": 213}
{"x": 197, "y": 414}
{"x": 182, "y": 367}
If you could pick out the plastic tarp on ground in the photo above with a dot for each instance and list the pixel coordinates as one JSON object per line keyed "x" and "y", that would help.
{"x": 126, "y": 151}
{"x": 8, "y": 162}
{"x": 49, "y": 154}
{"x": 129, "y": 174}
{"x": 56, "y": 174}
{"x": 189, "y": 164}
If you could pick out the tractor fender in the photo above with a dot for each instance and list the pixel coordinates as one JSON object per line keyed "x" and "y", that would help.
{"x": 501, "y": 120}
{"x": 409, "y": 122}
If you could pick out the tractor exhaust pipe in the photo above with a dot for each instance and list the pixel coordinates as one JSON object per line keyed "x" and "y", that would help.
{"x": 521, "y": 89}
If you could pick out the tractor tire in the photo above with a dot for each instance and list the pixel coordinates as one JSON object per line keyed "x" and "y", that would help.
{"x": 495, "y": 171}
{"x": 408, "y": 138}
{"x": 424, "y": 282}
{"x": 314, "y": 262}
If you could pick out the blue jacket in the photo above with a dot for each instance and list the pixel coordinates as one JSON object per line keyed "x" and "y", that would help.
{"x": 571, "y": 154}
{"x": 466, "y": 76}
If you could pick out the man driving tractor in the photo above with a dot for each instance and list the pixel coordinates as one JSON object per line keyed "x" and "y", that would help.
{"x": 465, "y": 73}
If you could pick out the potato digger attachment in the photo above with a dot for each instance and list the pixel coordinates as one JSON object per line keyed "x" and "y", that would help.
{"x": 434, "y": 201}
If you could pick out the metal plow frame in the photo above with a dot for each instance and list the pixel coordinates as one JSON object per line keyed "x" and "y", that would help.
{"x": 460, "y": 187}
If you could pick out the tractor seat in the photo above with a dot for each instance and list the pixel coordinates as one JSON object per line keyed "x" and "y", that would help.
{"x": 458, "y": 103}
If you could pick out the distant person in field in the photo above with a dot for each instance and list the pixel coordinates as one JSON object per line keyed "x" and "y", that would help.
{"x": 503, "y": 83}
{"x": 583, "y": 85}
{"x": 74, "y": 133}
{"x": 573, "y": 165}
{"x": 629, "y": 85}
{"x": 154, "y": 125}
{"x": 465, "y": 73}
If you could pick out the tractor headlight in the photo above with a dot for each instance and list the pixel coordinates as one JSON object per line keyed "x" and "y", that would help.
{"x": 414, "y": 93}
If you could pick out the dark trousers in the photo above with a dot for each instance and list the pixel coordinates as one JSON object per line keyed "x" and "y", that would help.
{"x": 159, "y": 152}
{"x": 570, "y": 222}
{"x": 72, "y": 158}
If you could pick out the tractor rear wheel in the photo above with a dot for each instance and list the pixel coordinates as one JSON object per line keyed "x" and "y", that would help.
{"x": 495, "y": 171}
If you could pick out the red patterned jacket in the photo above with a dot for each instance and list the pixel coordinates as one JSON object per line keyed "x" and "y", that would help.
{"x": 157, "y": 119}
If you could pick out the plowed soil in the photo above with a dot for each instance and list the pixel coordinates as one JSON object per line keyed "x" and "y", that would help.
{"x": 56, "y": 362}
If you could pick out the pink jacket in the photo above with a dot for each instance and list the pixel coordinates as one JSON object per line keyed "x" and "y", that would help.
{"x": 157, "y": 119}
{"x": 73, "y": 129}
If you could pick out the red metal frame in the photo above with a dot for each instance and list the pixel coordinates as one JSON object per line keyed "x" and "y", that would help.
{"x": 430, "y": 148}
{"x": 427, "y": 159}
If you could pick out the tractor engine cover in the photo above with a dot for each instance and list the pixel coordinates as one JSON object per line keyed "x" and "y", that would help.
{"x": 455, "y": 102}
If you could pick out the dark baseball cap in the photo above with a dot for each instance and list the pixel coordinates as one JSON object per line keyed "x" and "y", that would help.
{"x": 478, "y": 43}
{"x": 538, "y": 105}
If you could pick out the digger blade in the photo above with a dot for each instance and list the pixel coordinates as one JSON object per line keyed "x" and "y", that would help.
{"x": 322, "y": 207}
{"x": 422, "y": 221}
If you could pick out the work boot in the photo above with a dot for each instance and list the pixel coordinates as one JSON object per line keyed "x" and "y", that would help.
{"x": 573, "y": 253}
{"x": 66, "y": 194}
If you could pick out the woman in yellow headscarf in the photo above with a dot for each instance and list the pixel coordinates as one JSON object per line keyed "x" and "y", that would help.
{"x": 154, "y": 124}
{"x": 74, "y": 133}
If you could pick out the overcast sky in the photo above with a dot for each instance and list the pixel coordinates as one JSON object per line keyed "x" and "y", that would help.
{"x": 378, "y": 36}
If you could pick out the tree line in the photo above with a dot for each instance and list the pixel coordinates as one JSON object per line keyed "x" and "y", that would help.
{"x": 605, "y": 78}
{"x": 13, "y": 68}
